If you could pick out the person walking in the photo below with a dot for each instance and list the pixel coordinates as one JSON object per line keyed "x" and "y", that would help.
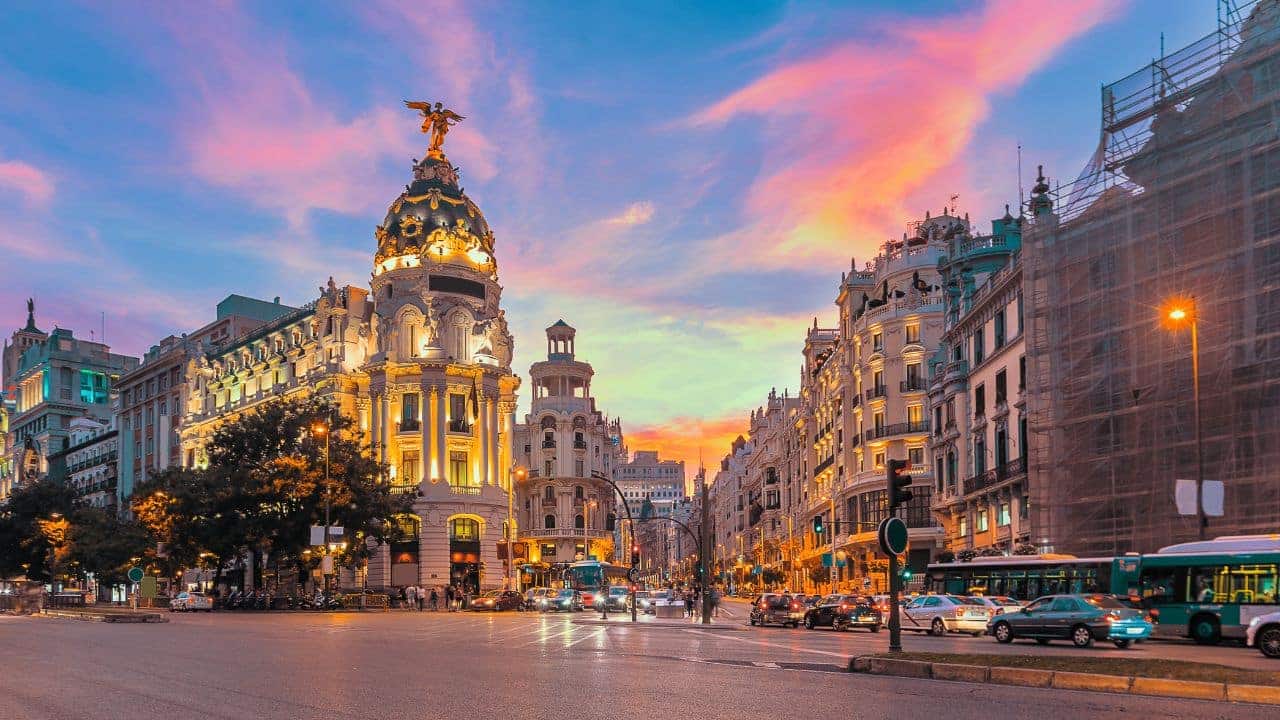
{"x": 688, "y": 604}
{"x": 435, "y": 599}
{"x": 448, "y": 597}
{"x": 422, "y": 598}
{"x": 411, "y": 597}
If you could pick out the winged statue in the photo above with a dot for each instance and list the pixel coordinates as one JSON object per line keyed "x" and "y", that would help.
{"x": 436, "y": 122}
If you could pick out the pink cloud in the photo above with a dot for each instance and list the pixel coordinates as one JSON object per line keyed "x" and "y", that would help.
{"x": 856, "y": 133}
{"x": 33, "y": 184}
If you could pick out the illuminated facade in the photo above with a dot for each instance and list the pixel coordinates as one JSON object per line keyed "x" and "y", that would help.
{"x": 421, "y": 362}
{"x": 88, "y": 465}
{"x": 565, "y": 508}
{"x": 978, "y": 439}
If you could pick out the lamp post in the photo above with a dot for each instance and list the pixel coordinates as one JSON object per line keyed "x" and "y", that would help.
{"x": 323, "y": 429}
{"x": 1188, "y": 312}
{"x": 513, "y": 578}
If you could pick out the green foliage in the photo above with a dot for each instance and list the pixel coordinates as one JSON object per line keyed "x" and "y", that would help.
{"x": 1026, "y": 549}
{"x": 103, "y": 544}
{"x": 33, "y": 530}
{"x": 265, "y": 486}
{"x": 966, "y": 555}
{"x": 946, "y": 556}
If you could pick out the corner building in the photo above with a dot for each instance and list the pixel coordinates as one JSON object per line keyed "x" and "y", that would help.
{"x": 421, "y": 361}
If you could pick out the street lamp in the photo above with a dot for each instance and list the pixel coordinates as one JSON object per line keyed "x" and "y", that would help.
{"x": 517, "y": 475}
{"x": 322, "y": 428}
{"x": 1180, "y": 312}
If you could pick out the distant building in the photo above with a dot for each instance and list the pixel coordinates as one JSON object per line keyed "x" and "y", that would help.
{"x": 56, "y": 379}
{"x": 565, "y": 507}
{"x": 662, "y": 482}
{"x": 149, "y": 400}
{"x": 89, "y": 464}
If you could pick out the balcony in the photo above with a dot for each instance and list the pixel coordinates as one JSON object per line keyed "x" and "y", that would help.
{"x": 912, "y": 385}
{"x": 817, "y": 470}
{"x": 1004, "y": 532}
{"x": 459, "y": 426}
{"x": 548, "y": 501}
{"x": 995, "y": 476}
{"x": 579, "y": 444}
{"x": 409, "y": 425}
{"x": 548, "y": 444}
{"x": 565, "y": 533}
{"x": 876, "y": 392}
{"x": 906, "y": 428}
{"x": 464, "y": 489}
{"x": 404, "y": 488}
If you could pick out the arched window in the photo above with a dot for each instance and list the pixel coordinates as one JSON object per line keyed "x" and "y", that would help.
{"x": 549, "y": 522}
{"x": 406, "y": 528}
{"x": 549, "y": 493}
{"x": 577, "y": 492}
{"x": 467, "y": 529}
{"x": 578, "y": 522}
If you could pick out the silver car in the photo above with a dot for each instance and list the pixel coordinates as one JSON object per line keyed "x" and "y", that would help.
{"x": 1264, "y": 634}
{"x": 941, "y": 614}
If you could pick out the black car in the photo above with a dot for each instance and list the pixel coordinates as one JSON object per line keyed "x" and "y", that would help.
{"x": 498, "y": 600}
{"x": 777, "y": 610}
{"x": 841, "y": 612}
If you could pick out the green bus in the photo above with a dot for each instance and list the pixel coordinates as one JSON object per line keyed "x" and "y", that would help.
{"x": 1205, "y": 590}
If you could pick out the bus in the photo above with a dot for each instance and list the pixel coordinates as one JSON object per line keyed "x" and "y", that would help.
{"x": 1021, "y": 577}
{"x": 1206, "y": 590}
{"x": 588, "y": 576}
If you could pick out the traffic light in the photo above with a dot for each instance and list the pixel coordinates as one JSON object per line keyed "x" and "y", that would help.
{"x": 817, "y": 524}
{"x": 635, "y": 555}
{"x": 899, "y": 481}
{"x": 905, "y": 574}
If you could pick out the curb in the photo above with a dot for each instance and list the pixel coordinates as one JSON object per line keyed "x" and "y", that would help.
{"x": 107, "y": 617}
{"x": 661, "y": 626}
{"x": 1063, "y": 680}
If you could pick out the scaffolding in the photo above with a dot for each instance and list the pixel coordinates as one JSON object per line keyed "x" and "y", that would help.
{"x": 1181, "y": 199}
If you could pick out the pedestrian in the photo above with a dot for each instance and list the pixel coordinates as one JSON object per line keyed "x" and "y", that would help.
{"x": 435, "y": 600}
{"x": 688, "y": 604}
{"x": 410, "y": 597}
{"x": 715, "y": 601}
{"x": 403, "y": 597}
{"x": 448, "y": 597}
{"x": 421, "y": 594}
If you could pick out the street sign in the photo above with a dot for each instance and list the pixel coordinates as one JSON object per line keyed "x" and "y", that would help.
{"x": 892, "y": 535}
{"x": 826, "y": 560}
{"x": 135, "y": 574}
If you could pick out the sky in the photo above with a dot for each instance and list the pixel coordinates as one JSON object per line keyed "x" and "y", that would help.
{"x": 682, "y": 182}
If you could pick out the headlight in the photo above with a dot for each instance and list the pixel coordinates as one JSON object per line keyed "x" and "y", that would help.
{"x": 1254, "y": 622}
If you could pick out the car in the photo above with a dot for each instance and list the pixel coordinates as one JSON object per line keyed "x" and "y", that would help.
{"x": 841, "y": 612}
{"x": 644, "y": 601}
{"x": 562, "y": 600}
{"x": 1078, "y": 618}
{"x": 1264, "y": 634}
{"x": 999, "y": 603}
{"x": 941, "y": 614}
{"x": 776, "y": 609}
{"x": 618, "y": 597}
{"x": 533, "y": 595}
{"x": 191, "y": 602}
{"x": 497, "y": 600}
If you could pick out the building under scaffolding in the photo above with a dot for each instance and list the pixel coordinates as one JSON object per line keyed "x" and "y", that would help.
{"x": 1181, "y": 200}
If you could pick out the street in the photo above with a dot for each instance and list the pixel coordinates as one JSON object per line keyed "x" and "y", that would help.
{"x": 377, "y": 665}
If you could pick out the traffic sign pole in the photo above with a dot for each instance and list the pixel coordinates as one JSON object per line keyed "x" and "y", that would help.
{"x": 893, "y": 538}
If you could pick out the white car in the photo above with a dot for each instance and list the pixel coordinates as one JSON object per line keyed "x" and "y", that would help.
{"x": 190, "y": 602}
{"x": 999, "y": 604}
{"x": 940, "y": 614}
{"x": 1264, "y": 634}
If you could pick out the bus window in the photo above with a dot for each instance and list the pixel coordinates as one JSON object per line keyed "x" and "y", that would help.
{"x": 1162, "y": 585}
{"x": 1247, "y": 584}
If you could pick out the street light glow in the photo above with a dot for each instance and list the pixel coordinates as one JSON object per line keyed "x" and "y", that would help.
{"x": 1177, "y": 314}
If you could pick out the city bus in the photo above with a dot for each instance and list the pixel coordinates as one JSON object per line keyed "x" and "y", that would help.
{"x": 588, "y": 576}
{"x": 1210, "y": 589}
{"x": 1206, "y": 590}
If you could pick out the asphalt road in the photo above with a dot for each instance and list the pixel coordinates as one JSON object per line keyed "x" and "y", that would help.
{"x": 464, "y": 665}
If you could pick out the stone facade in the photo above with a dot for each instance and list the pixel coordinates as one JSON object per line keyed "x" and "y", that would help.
{"x": 89, "y": 464}
{"x": 420, "y": 361}
{"x": 567, "y": 451}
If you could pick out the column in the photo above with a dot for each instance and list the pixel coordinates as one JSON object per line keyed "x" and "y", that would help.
{"x": 384, "y": 410}
{"x": 482, "y": 438}
{"x": 375, "y": 426}
{"x": 442, "y": 399}
{"x": 424, "y": 426}
{"x": 497, "y": 468}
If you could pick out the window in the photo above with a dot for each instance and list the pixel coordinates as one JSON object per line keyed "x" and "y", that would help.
{"x": 979, "y": 401}
{"x": 915, "y": 456}
{"x": 1019, "y": 313}
{"x": 982, "y": 520}
{"x": 873, "y": 507}
{"x": 979, "y": 455}
{"x": 409, "y": 411}
{"x": 409, "y": 467}
{"x": 457, "y": 412}
{"x": 951, "y": 411}
{"x": 464, "y": 529}
{"x": 877, "y": 342}
{"x": 548, "y": 467}
{"x": 877, "y": 381}
{"x": 164, "y": 408}
{"x": 1003, "y": 516}
{"x": 979, "y": 352}
{"x": 999, "y": 329}
{"x": 879, "y": 460}
{"x": 937, "y": 472}
{"x": 1002, "y": 446}
{"x": 915, "y": 418}
{"x": 913, "y": 334}
{"x": 577, "y": 492}
{"x": 1002, "y": 388}
{"x": 915, "y": 379}
{"x": 579, "y": 523}
{"x": 458, "y": 471}
{"x": 877, "y": 421}
{"x": 579, "y": 468}
{"x": 1022, "y": 373}
{"x": 962, "y": 526}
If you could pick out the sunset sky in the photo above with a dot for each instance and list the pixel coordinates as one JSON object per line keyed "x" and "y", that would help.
{"x": 682, "y": 182}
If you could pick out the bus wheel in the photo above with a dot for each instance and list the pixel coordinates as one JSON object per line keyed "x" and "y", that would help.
{"x": 1205, "y": 630}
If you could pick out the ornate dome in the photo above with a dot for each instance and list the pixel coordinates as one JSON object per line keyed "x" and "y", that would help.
{"x": 433, "y": 215}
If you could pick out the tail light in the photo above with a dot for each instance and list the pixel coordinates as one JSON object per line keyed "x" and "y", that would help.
{"x": 843, "y": 607}
{"x": 1112, "y": 616}
{"x": 795, "y": 606}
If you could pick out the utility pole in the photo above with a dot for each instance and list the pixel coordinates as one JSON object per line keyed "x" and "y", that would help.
{"x": 834, "y": 527}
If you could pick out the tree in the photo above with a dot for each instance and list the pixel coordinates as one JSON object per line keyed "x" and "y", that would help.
{"x": 33, "y": 530}
{"x": 265, "y": 486}
{"x": 946, "y": 556}
{"x": 103, "y": 544}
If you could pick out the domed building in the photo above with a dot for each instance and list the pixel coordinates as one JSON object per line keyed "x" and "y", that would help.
{"x": 421, "y": 360}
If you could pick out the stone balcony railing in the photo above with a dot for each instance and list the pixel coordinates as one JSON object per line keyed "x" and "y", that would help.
{"x": 566, "y": 533}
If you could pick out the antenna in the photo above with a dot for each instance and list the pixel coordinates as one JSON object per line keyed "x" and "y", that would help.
{"x": 1020, "y": 197}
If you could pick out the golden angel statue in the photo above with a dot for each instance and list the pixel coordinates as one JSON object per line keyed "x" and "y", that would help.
{"x": 436, "y": 122}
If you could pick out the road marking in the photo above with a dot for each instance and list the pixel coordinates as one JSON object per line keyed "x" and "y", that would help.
{"x": 767, "y": 644}
{"x": 597, "y": 635}
{"x": 543, "y": 640}
{"x": 766, "y": 664}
